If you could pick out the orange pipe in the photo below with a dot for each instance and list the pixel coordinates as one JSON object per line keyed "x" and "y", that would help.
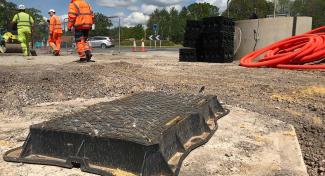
{"x": 292, "y": 53}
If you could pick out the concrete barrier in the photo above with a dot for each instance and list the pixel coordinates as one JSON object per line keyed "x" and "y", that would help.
{"x": 259, "y": 33}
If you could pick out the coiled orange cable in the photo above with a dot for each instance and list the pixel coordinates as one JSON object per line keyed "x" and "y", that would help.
{"x": 298, "y": 52}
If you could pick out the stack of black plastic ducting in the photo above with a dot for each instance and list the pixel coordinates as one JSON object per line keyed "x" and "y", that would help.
{"x": 191, "y": 41}
{"x": 209, "y": 40}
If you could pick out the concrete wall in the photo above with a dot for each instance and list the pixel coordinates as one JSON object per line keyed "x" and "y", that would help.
{"x": 269, "y": 31}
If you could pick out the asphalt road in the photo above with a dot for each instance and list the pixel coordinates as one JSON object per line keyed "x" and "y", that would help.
{"x": 128, "y": 49}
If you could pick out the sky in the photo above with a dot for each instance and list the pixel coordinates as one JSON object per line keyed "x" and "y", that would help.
{"x": 132, "y": 12}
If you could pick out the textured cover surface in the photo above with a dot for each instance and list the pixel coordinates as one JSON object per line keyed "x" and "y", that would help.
{"x": 146, "y": 133}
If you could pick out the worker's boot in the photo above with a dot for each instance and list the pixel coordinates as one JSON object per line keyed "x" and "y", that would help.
{"x": 56, "y": 53}
{"x": 89, "y": 56}
{"x": 82, "y": 60}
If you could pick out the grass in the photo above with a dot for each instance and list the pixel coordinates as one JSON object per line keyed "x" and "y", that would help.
{"x": 317, "y": 121}
{"x": 314, "y": 90}
{"x": 305, "y": 93}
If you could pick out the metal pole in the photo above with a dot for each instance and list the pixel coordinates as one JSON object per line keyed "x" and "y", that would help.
{"x": 274, "y": 12}
{"x": 119, "y": 31}
{"x": 145, "y": 33}
{"x": 119, "y": 34}
{"x": 228, "y": 13}
{"x": 155, "y": 40}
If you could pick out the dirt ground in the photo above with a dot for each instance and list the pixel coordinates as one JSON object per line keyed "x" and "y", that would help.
{"x": 30, "y": 88}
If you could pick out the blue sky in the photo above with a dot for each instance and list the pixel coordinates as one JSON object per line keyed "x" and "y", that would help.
{"x": 132, "y": 11}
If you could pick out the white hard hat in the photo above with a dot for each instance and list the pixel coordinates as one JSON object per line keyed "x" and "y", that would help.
{"x": 52, "y": 10}
{"x": 21, "y": 7}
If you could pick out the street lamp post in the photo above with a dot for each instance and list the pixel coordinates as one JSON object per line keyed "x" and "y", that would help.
{"x": 228, "y": 13}
{"x": 274, "y": 12}
{"x": 119, "y": 35}
{"x": 119, "y": 32}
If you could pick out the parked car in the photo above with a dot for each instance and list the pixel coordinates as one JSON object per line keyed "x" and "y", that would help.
{"x": 100, "y": 41}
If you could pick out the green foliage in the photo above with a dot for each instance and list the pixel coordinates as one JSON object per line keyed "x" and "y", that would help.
{"x": 103, "y": 23}
{"x": 40, "y": 30}
{"x": 113, "y": 33}
{"x": 136, "y": 32}
{"x": 198, "y": 11}
{"x": 171, "y": 24}
{"x": 298, "y": 7}
{"x": 284, "y": 6}
{"x": 176, "y": 26}
{"x": 243, "y": 9}
{"x": 36, "y": 14}
{"x": 313, "y": 8}
{"x": 7, "y": 11}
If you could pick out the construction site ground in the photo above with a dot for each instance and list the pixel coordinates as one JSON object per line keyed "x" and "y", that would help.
{"x": 34, "y": 89}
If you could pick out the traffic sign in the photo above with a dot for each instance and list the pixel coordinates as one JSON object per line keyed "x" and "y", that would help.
{"x": 157, "y": 37}
{"x": 154, "y": 37}
{"x": 154, "y": 28}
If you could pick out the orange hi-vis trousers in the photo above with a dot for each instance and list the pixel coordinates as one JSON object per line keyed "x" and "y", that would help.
{"x": 82, "y": 47}
{"x": 81, "y": 36}
{"x": 55, "y": 41}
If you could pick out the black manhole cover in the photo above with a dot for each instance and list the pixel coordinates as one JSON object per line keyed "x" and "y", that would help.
{"x": 143, "y": 134}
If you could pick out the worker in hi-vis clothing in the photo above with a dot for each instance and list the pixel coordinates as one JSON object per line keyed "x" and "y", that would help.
{"x": 24, "y": 25}
{"x": 55, "y": 30}
{"x": 81, "y": 18}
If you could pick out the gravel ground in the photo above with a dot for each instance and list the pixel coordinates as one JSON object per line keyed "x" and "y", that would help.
{"x": 295, "y": 97}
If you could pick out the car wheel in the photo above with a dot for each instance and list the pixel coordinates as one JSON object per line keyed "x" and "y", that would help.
{"x": 103, "y": 46}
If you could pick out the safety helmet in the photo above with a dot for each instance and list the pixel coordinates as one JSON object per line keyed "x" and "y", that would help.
{"x": 51, "y": 10}
{"x": 21, "y": 7}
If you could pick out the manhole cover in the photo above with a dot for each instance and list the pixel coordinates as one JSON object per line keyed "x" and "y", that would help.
{"x": 143, "y": 134}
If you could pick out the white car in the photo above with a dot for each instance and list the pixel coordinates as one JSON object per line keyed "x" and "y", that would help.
{"x": 100, "y": 41}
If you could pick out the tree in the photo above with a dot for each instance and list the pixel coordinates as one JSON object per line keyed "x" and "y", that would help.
{"x": 171, "y": 24}
{"x": 40, "y": 30}
{"x": 284, "y": 7}
{"x": 136, "y": 32}
{"x": 183, "y": 17}
{"x": 103, "y": 23}
{"x": 154, "y": 19}
{"x": 36, "y": 14}
{"x": 7, "y": 11}
{"x": 313, "y": 8}
{"x": 162, "y": 19}
{"x": 298, "y": 7}
{"x": 176, "y": 26}
{"x": 243, "y": 9}
{"x": 197, "y": 11}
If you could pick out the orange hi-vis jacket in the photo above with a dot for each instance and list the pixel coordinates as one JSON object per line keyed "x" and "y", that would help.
{"x": 81, "y": 15}
{"x": 55, "y": 25}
